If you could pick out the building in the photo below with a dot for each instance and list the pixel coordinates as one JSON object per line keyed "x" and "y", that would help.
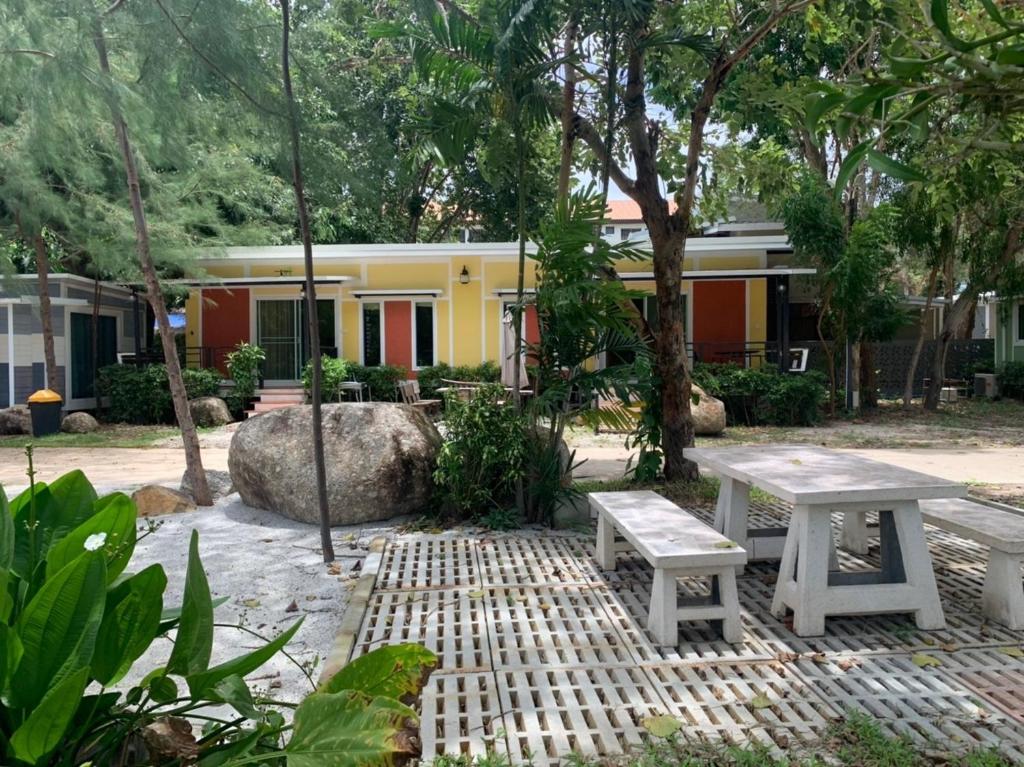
{"x": 416, "y": 305}
{"x": 22, "y": 361}
{"x": 1008, "y": 318}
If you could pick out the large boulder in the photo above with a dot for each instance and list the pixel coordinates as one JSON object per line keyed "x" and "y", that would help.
{"x": 209, "y": 411}
{"x": 15, "y": 420}
{"x": 708, "y": 413}
{"x": 154, "y": 500}
{"x": 380, "y": 461}
{"x": 219, "y": 482}
{"x": 79, "y": 423}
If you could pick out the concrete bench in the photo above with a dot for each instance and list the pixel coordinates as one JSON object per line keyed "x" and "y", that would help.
{"x": 1002, "y": 596}
{"x": 676, "y": 544}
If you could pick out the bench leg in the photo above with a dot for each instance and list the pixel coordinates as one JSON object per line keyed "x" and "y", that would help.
{"x": 1002, "y": 597}
{"x": 605, "y": 542}
{"x": 732, "y": 626}
{"x": 663, "y": 619}
{"x": 854, "y": 536}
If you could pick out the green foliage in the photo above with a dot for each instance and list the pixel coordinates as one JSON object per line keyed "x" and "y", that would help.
{"x": 141, "y": 394}
{"x": 334, "y": 372}
{"x": 484, "y": 453}
{"x": 430, "y": 378}
{"x": 137, "y": 393}
{"x": 71, "y": 617}
{"x": 1011, "y": 379}
{"x": 381, "y": 380}
{"x": 244, "y": 367}
{"x": 755, "y": 396}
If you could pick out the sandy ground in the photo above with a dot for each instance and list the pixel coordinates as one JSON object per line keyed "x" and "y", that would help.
{"x": 272, "y": 573}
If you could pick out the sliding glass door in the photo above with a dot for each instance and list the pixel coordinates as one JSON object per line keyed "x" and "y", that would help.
{"x": 281, "y": 333}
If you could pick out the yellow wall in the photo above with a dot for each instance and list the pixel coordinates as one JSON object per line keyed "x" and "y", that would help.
{"x": 468, "y": 317}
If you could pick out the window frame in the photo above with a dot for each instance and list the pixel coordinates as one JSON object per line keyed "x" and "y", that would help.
{"x": 416, "y": 303}
{"x": 362, "y": 331}
{"x": 1017, "y": 328}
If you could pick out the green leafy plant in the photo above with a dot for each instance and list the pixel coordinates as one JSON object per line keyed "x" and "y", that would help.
{"x": 136, "y": 394}
{"x": 432, "y": 378}
{"x": 244, "y": 366}
{"x": 334, "y": 372}
{"x": 73, "y": 617}
{"x": 1011, "y": 379}
{"x": 201, "y": 382}
{"x": 483, "y": 454}
{"x": 382, "y": 380}
{"x": 757, "y": 396}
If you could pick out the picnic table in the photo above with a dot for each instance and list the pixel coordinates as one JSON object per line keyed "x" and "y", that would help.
{"x": 818, "y": 481}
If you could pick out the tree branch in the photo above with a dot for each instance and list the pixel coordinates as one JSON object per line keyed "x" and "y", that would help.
{"x": 585, "y": 130}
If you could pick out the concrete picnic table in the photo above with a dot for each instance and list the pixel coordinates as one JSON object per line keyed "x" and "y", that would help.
{"x": 818, "y": 481}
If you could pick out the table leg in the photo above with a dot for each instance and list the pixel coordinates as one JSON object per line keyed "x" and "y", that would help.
{"x": 854, "y": 536}
{"x": 605, "y": 542}
{"x": 787, "y": 567}
{"x": 811, "y": 570}
{"x": 732, "y": 509}
{"x": 916, "y": 563}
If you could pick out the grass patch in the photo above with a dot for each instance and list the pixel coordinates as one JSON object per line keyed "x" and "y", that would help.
{"x": 858, "y": 741}
{"x": 108, "y": 435}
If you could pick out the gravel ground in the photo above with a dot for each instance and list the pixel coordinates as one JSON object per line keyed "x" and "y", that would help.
{"x": 272, "y": 573}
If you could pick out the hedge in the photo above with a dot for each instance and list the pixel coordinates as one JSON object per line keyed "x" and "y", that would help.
{"x": 755, "y": 396}
{"x": 141, "y": 394}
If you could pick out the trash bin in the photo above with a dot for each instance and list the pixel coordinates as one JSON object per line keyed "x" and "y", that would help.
{"x": 45, "y": 406}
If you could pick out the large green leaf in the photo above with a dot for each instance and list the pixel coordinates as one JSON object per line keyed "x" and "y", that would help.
{"x": 6, "y": 533}
{"x": 235, "y": 692}
{"x": 41, "y": 733}
{"x": 76, "y": 502}
{"x": 32, "y": 511}
{"x": 817, "y": 105}
{"x": 393, "y": 671}
{"x": 200, "y": 683}
{"x": 850, "y": 165}
{"x": 890, "y": 167}
{"x": 115, "y": 521}
{"x": 10, "y": 654}
{"x": 58, "y": 627}
{"x": 194, "y": 640}
{"x": 130, "y": 623}
{"x": 348, "y": 729}
{"x": 939, "y": 13}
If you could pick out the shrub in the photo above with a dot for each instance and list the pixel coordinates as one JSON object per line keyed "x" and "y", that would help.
{"x": 382, "y": 380}
{"x": 1011, "y": 379}
{"x": 334, "y": 372}
{"x": 74, "y": 618}
{"x": 136, "y": 393}
{"x": 201, "y": 382}
{"x": 482, "y": 456}
{"x": 756, "y": 396}
{"x": 244, "y": 366}
{"x": 431, "y": 378}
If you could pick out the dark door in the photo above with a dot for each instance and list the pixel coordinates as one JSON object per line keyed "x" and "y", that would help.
{"x": 82, "y": 367}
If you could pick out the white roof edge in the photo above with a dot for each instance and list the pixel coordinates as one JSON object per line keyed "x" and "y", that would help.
{"x": 727, "y": 273}
{"x": 398, "y": 292}
{"x": 213, "y": 281}
{"x": 471, "y": 249}
{"x": 68, "y": 277}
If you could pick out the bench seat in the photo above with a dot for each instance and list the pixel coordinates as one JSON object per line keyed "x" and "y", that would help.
{"x": 1002, "y": 596}
{"x": 676, "y": 544}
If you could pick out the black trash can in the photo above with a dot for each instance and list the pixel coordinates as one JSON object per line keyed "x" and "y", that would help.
{"x": 45, "y": 406}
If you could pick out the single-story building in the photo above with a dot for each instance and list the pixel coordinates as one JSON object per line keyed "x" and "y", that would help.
{"x": 420, "y": 304}
{"x": 1008, "y": 319}
{"x": 22, "y": 360}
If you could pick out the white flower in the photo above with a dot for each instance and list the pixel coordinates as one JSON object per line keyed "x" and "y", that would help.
{"x": 95, "y": 541}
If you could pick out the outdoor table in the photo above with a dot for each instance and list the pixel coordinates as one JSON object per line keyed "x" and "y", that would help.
{"x": 818, "y": 481}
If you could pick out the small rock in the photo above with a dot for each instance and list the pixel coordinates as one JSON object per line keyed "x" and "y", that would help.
{"x": 79, "y": 423}
{"x": 154, "y": 500}
{"x": 219, "y": 482}
{"x": 15, "y": 420}
{"x": 708, "y": 413}
{"x": 209, "y": 411}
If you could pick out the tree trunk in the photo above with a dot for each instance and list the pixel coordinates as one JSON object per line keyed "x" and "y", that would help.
{"x": 868, "y": 377}
{"x": 915, "y": 358}
{"x": 97, "y": 292}
{"x": 517, "y": 315}
{"x": 46, "y": 312}
{"x": 954, "y": 319}
{"x": 311, "y": 313}
{"x": 154, "y": 293}
{"x": 568, "y": 102}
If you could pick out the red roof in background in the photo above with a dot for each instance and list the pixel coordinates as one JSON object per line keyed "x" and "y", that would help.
{"x": 627, "y": 211}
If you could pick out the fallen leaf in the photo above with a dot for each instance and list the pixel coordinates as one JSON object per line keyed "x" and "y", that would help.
{"x": 847, "y": 663}
{"x": 661, "y": 726}
{"x": 786, "y": 657}
{"x": 292, "y": 607}
{"x": 357, "y": 566}
{"x": 334, "y": 569}
{"x": 476, "y": 594}
{"x": 818, "y": 657}
{"x": 726, "y": 545}
{"x": 252, "y": 604}
{"x": 796, "y": 461}
{"x": 1013, "y": 652}
{"x": 761, "y": 701}
{"x": 924, "y": 661}
{"x": 545, "y": 606}
{"x": 310, "y": 597}
{"x": 949, "y": 647}
{"x": 510, "y": 601}
{"x": 349, "y": 537}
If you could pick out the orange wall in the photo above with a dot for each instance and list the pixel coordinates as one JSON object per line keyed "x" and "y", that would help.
{"x": 719, "y": 315}
{"x": 225, "y": 321}
{"x": 398, "y": 333}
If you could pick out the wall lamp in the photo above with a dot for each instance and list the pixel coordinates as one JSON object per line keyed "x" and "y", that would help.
{"x": 464, "y": 276}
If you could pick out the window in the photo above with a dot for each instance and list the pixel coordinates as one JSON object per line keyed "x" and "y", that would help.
{"x": 627, "y": 233}
{"x": 609, "y": 230}
{"x": 423, "y": 333}
{"x": 1020, "y": 323}
{"x": 372, "y": 337}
